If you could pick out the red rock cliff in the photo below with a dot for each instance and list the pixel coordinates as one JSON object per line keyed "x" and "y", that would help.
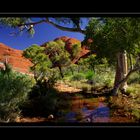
{"x": 15, "y": 58}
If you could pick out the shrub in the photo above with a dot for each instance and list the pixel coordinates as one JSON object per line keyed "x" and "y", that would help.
{"x": 90, "y": 75}
{"x": 134, "y": 78}
{"x": 42, "y": 98}
{"x": 51, "y": 103}
{"x": 14, "y": 88}
{"x": 136, "y": 113}
{"x": 108, "y": 81}
{"x": 78, "y": 76}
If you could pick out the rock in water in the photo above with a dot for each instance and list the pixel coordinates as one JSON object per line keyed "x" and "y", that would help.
{"x": 50, "y": 116}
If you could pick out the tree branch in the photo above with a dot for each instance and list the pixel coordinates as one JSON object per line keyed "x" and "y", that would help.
{"x": 65, "y": 28}
{"x": 124, "y": 79}
{"x": 32, "y": 23}
{"x": 55, "y": 25}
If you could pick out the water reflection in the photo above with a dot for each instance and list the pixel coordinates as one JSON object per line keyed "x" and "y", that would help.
{"x": 71, "y": 117}
{"x": 99, "y": 114}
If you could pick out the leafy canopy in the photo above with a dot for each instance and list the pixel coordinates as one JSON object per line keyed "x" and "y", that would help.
{"x": 114, "y": 34}
{"x": 41, "y": 62}
{"x": 57, "y": 53}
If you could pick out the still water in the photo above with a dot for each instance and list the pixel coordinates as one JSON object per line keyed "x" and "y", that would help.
{"x": 92, "y": 110}
{"x": 99, "y": 114}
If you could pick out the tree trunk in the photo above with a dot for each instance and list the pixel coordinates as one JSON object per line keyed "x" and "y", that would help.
{"x": 121, "y": 71}
{"x": 131, "y": 63}
{"x": 61, "y": 73}
{"x": 71, "y": 70}
{"x": 35, "y": 76}
{"x": 116, "y": 88}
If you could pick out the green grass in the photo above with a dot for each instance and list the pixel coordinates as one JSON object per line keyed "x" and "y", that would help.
{"x": 134, "y": 78}
{"x": 89, "y": 79}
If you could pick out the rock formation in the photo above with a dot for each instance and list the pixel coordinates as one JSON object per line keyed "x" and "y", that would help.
{"x": 69, "y": 44}
{"x": 14, "y": 58}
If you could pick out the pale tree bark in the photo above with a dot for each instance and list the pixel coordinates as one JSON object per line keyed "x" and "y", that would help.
{"x": 122, "y": 83}
{"x": 121, "y": 70}
{"x": 118, "y": 85}
{"x": 130, "y": 61}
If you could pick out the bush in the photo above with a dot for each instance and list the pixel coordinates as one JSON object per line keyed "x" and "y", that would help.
{"x": 90, "y": 75}
{"x": 108, "y": 81}
{"x": 44, "y": 105}
{"x": 134, "y": 78}
{"x": 43, "y": 98}
{"x": 136, "y": 113}
{"x": 131, "y": 90}
{"x": 78, "y": 76}
{"x": 43, "y": 86}
{"x": 14, "y": 88}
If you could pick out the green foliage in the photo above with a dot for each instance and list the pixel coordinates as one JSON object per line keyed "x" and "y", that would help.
{"x": 41, "y": 62}
{"x": 134, "y": 78}
{"x": 26, "y": 24}
{"x": 128, "y": 104}
{"x": 102, "y": 75}
{"x": 43, "y": 87}
{"x": 31, "y": 31}
{"x": 14, "y": 89}
{"x": 17, "y": 22}
{"x": 35, "y": 49}
{"x": 13, "y": 22}
{"x": 76, "y": 48}
{"x": 44, "y": 59}
{"x": 78, "y": 76}
{"x": 57, "y": 53}
{"x": 112, "y": 35}
{"x": 7, "y": 70}
{"x": 90, "y": 75}
{"x": 131, "y": 90}
{"x": 136, "y": 113}
{"x": 92, "y": 62}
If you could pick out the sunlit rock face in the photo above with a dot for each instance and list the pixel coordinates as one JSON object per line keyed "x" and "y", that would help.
{"x": 14, "y": 58}
{"x": 69, "y": 42}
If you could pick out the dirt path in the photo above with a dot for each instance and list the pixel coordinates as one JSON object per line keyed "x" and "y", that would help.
{"x": 62, "y": 87}
{"x": 31, "y": 120}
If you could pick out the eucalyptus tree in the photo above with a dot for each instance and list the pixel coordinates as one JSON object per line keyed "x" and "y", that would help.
{"x": 40, "y": 62}
{"x": 114, "y": 38}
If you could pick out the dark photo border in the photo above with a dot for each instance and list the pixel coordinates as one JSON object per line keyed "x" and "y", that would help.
{"x": 69, "y": 125}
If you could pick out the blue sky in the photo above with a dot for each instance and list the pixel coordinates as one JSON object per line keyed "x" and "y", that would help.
{"x": 43, "y": 33}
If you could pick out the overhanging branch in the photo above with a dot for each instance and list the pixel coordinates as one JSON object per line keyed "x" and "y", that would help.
{"x": 32, "y": 23}
{"x": 55, "y": 25}
{"x": 115, "y": 89}
{"x": 65, "y": 28}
